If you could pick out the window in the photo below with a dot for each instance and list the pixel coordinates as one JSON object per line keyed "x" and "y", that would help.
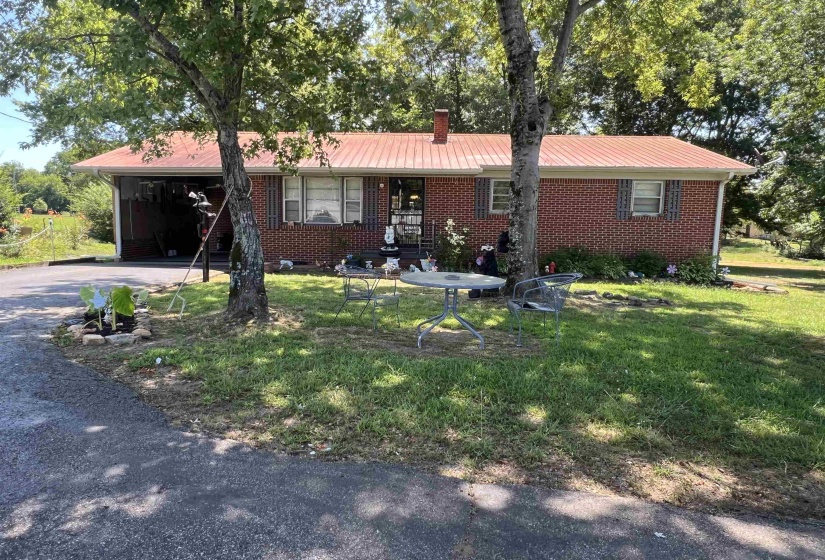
{"x": 647, "y": 197}
{"x": 352, "y": 199}
{"x": 499, "y": 196}
{"x": 292, "y": 199}
{"x": 322, "y": 200}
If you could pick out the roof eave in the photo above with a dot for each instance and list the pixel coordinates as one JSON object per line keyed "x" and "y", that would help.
{"x": 149, "y": 170}
{"x": 629, "y": 169}
{"x": 216, "y": 171}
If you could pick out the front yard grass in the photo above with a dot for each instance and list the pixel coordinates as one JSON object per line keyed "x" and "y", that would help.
{"x": 760, "y": 252}
{"x": 717, "y": 402}
{"x": 70, "y": 240}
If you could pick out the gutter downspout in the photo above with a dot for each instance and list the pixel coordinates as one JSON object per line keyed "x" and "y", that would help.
{"x": 115, "y": 209}
{"x": 717, "y": 229}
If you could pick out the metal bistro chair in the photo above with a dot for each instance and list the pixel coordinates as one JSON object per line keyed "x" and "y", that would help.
{"x": 360, "y": 284}
{"x": 545, "y": 294}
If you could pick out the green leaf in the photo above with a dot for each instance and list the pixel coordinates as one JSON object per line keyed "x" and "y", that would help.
{"x": 87, "y": 293}
{"x": 122, "y": 302}
{"x": 141, "y": 297}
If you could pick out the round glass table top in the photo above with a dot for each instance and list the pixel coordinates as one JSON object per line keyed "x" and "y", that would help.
{"x": 453, "y": 280}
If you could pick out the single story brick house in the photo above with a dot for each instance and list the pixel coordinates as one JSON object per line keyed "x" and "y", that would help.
{"x": 618, "y": 194}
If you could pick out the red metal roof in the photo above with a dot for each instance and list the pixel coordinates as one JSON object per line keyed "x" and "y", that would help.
{"x": 462, "y": 154}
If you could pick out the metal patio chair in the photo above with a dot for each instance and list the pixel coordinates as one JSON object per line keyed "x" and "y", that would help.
{"x": 544, "y": 295}
{"x": 361, "y": 284}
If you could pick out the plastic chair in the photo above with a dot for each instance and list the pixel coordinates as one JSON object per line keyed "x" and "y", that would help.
{"x": 544, "y": 295}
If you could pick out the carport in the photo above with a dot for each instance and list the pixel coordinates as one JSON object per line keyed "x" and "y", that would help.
{"x": 154, "y": 217}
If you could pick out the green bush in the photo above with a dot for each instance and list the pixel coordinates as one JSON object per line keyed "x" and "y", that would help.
{"x": 94, "y": 203}
{"x": 580, "y": 259}
{"x": 39, "y": 206}
{"x": 608, "y": 266}
{"x": 650, "y": 263}
{"x": 9, "y": 202}
{"x": 572, "y": 259}
{"x": 698, "y": 270}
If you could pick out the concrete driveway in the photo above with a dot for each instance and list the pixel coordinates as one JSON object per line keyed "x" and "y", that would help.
{"x": 88, "y": 471}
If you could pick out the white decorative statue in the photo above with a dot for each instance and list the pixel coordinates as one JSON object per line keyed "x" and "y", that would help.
{"x": 389, "y": 239}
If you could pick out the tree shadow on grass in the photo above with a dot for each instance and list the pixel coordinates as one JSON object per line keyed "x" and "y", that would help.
{"x": 699, "y": 396}
{"x": 682, "y": 405}
{"x": 810, "y": 279}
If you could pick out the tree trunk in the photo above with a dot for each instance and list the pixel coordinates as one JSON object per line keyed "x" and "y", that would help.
{"x": 529, "y": 113}
{"x": 522, "y": 259}
{"x": 527, "y": 125}
{"x": 247, "y": 293}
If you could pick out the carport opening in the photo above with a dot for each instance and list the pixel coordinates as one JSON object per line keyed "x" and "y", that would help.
{"x": 159, "y": 222}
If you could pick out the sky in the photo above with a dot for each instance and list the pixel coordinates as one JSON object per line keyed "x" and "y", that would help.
{"x": 13, "y": 132}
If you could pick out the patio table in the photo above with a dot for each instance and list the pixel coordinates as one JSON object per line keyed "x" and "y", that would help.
{"x": 451, "y": 282}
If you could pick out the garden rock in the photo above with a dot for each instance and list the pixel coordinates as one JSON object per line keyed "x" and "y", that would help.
{"x": 93, "y": 340}
{"x": 142, "y": 333}
{"x": 121, "y": 339}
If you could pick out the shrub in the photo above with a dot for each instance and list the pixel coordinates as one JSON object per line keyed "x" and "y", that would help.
{"x": 9, "y": 202}
{"x": 608, "y": 266}
{"x": 40, "y": 207}
{"x": 452, "y": 252}
{"x": 650, "y": 263}
{"x": 94, "y": 203}
{"x": 698, "y": 270}
{"x": 8, "y": 241}
{"x": 572, "y": 259}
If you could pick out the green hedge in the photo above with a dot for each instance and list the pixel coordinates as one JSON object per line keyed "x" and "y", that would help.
{"x": 696, "y": 270}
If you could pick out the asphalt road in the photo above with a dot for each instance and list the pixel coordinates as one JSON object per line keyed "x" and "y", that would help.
{"x": 88, "y": 471}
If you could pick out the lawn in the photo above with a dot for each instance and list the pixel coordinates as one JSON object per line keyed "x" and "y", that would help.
{"x": 70, "y": 240}
{"x": 759, "y": 251}
{"x": 717, "y": 402}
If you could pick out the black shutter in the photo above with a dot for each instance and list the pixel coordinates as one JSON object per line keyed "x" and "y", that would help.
{"x": 673, "y": 200}
{"x": 369, "y": 214}
{"x": 482, "y": 197}
{"x": 624, "y": 201}
{"x": 273, "y": 201}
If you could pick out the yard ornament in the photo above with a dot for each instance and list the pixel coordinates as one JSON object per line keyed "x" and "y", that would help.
{"x": 390, "y": 248}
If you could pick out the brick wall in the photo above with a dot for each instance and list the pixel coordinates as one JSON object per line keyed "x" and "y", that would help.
{"x": 452, "y": 198}
{"x": 582, "y": 212}
{"x": 224, "y": 223}
{"x": 136, "y": 249}
{"x": 572, "y": 212}
{"x": 316, "y": 242}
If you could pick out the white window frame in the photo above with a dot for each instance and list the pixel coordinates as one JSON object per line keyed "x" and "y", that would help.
{"x": 300, "y": 198}
{"x": 344, "y": 199}
{"x": 661, "y": 198}
{"x": 492, "y": 189}
{"x": 340, "y": 203}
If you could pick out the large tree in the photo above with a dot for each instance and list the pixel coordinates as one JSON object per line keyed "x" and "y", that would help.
{"x": 626, "y": 35}
{"x": 139, "y": 69}
{"x": 781, "y": 50}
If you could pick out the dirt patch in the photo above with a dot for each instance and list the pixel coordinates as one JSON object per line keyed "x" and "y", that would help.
{"x": 439, "y": 342}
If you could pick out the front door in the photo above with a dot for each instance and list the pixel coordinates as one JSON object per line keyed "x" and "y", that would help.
{"x": 407, "y": 210}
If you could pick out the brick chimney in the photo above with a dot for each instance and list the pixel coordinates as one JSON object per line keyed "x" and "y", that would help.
{"x": 441, "y": 126}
